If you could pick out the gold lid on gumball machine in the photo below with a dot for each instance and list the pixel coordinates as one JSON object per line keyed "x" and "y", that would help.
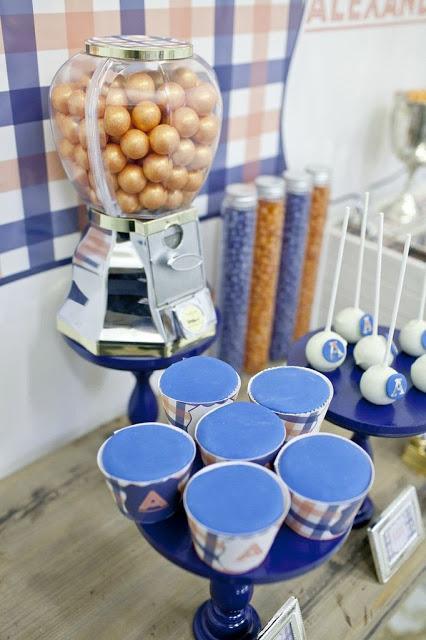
{"x": 148, "y": 48}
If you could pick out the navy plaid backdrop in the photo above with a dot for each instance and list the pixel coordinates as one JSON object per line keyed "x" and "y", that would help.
{"x": 249, "y": 42}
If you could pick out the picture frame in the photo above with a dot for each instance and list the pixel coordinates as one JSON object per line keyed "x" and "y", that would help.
{"x": 286, "y": 624}
{"x": 396, "y": 534}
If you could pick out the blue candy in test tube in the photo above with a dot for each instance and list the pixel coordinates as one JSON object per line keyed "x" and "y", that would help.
{"x": 297, "y": 205}
{"x": 239, "y": 225}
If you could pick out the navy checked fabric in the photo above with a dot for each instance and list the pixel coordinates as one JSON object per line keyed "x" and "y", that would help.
{"x": 249, "y": 44}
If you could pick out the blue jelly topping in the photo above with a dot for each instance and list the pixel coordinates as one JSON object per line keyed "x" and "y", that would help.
{"x": 289, "y": 390}
{"x": 241, "y": 430}
{"x": 235, "y": 498}
{"x": 198, "y": 380}
{"x": 325, "y": 468}
{"x": 146, "y": 452}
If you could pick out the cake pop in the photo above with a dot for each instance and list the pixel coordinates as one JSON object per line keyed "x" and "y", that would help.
{"x": 326, "y": 350}
{"x": 418, "y": 373}
{"x": 412, "y": 337}
{"x": 370, "y": 350}
{"x": 381, "y": 384}
{"x": 352, "y": 322}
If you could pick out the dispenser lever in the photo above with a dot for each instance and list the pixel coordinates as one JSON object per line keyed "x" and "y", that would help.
{"x": 185, "y": 261}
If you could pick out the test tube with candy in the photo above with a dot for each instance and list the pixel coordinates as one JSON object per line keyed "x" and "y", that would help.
{"x": 298, "y": 194}
{"x": 239, "y": 223}
{"x": 319, "y": 203}
{"x": 266, "y": 262}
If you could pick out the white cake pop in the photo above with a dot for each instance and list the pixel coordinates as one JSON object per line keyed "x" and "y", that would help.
{"x": 326, "y": 350}
{"x": 370, "y": 350}
{"x": 418, "y": 373}
{"x": 382, "y": 384}
{"x": 352, "y": 322}
{"x": 412, "y": 337}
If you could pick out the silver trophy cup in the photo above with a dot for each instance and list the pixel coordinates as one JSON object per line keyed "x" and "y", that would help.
{"x": 408, "y": 130}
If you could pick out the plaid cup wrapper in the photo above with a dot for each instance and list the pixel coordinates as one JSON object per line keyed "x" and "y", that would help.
{"x": 232, "y": 554}
{"x": 297, "y": 424}
{"x": 148, "y": 501}
{"x": 186, "y": 415}
{"x": 238, "y": 553}
{"x": 151, "y": 502}
{"x": 320, "y": 520}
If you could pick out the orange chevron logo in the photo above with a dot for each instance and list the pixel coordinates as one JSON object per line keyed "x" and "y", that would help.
{"x": 253, "y": 550}
{"x": 152, "y": 501}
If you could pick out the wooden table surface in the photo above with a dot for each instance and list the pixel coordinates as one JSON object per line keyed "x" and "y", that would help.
{"x": 73, "y": 568}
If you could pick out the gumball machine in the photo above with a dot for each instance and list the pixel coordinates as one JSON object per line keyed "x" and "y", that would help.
{"x": 136, "y": 121}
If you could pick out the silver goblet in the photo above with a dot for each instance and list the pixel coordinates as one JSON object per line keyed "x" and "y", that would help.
{"x": 409, "y": 144}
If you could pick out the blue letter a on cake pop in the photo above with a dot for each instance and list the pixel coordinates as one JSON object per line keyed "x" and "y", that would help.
{"x": 366, "y": 324}
{"x": 334, "y": 350}
{"x": 396, "y": 386}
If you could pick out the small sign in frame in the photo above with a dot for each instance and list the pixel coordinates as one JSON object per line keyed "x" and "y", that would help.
{"x": 396, "y": 533}
{"x": 287, "y": 623}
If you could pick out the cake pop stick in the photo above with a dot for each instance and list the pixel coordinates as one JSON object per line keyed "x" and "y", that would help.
{"x": 378, "y": 276}
{"x": 413, "y": 334}
{"x": 337, "y": 270}
{"x": 370, "y": 349}
{"x": 352, "y": 322}
{"x": 397, "y": 297}
{"x": 326, "y": 350}
{"x": 361, "y": 250}
{"x": 382, "y": 384}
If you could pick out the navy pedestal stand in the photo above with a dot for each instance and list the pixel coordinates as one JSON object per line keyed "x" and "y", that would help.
{"x": 348, "y": 409}
{"x": 228, "y": 614}
{"x": 143, "y": 405}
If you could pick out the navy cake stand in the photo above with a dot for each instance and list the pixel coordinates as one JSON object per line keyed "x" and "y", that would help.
{"x": 348, "y": 409}
{"x": 143, "y": 406}
{"x": 228, "y": 614}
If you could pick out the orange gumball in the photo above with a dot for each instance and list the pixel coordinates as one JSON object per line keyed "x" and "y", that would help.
{"x": 185, "y": 77}
{"x": 194, "y": 181}
{"x": 170, "y": 96}
{"x": 114, "y": 158}
{"x": 116, "y": 97}
{"x": 177, "y": 178}
{"x": 202, "y": 98}
{"x": 128, "y": 202}
{"x": 153, "y": 197}
{"x": 66, "y": 149}
{"x": 131, "y": 179}
{"x": 139, "y": 86}
{"x": 174, "y": 199}
{"x": 101, "y": 106}
{"x": 208, "y": 129}
{"x": 185, "y": 121}
{"x": 70, "y": 129}
{"x": 146, "y": 115}
{"x": 188, "y": 197}
{"x": 164, "y": 139}
{"x": 60, "y": 96}
{"x": 76, "y": 103}
{"x": 135, "y": 144}
{"x": 157, "y": 77}
{"x": 157, "y": 168}
{"x": 184, "y": 153}
{"x": 202, "y": 157}
{"x": 116, "y": 120}
{"x": 81, "y": 157}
